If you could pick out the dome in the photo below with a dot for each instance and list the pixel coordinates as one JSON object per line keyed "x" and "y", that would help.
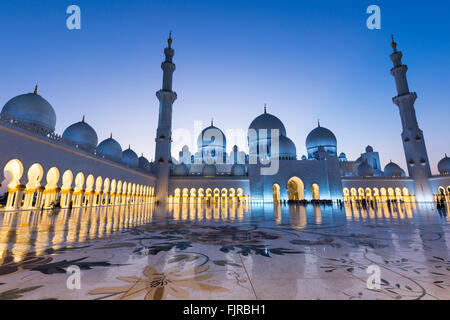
{"x": 32, "y": 109}
{"x": 81, "y": 134}
{"x": 266, "y": 121}
{"x": 143, "y": 163}
{"x": 444, "y": 165}
{"x": 286, "y": 148}
{"x": 393, "y": 170}
{"x": 321, "y": 137}
{"x": 238, "y": 169}
{"x": 110, "y": 148}
{"x": 212, "y": 145}
{"x": 130, "y": 158}
{"x": 364, "y": 170}
{"x": 180, "y": 169}
{"x": 211, "y": 137}
{"x": 304, "y": 157}
{"x": 369, "y": 149}
{"x": 209, "y": 170}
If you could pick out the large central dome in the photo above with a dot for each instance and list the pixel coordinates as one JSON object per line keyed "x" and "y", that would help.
{"x": 265, "y": 121}
{"x": 32, "y": 109}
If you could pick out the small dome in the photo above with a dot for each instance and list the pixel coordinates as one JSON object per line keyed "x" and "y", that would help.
{"x": 342, "y": 157}
{"x": 180, "y": 169}
{"x": 143, "y": 163}
{"x": 209, "y": 170}
{"x": 81, "y": 134}
{"x": 32, "y": 109}
{"x": 369, "y": 149}
{"x": 393, "y": 170}
{"x": 321, "y": 137}
{"x": 110, "y": 148}
{"x": 130, "y": 158}
{"x": 238, "y": 169}
{"x": 364, "y": 170}
{"x": 304, "y": 157}
{"x": 286, "y": 148}
{"x": 267, "y": 121}
{"x": 444, "y": 165}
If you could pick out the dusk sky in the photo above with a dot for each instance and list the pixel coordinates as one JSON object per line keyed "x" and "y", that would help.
{"x": 307, "y": 60}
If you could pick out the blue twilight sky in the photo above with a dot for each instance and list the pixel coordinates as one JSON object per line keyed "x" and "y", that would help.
{"x": 305, "y": 59}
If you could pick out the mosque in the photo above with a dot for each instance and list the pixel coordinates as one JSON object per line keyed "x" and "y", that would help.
{"x": 42, "y": 168}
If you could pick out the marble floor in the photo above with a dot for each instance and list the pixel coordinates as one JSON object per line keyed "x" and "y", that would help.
{"x": 226, "y": 251}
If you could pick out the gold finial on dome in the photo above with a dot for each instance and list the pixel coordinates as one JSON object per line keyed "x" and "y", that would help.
{"x": 84, "y": 118}
{"x": 393, "y": 43}
{"x": 36, "y": 89}
{"x": 318, "y": 123}
{"x": 212, "y": 122}
{"x": 265, "y": 108}
{"x": 110, "y": 136}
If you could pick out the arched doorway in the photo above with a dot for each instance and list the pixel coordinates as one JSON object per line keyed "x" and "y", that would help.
{"x": 276, "y": 193}
{"x": 315, "y": 191}
{"x": 296, "y": 189}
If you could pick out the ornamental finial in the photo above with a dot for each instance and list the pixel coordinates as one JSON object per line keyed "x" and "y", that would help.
{"x": 110, "y": 136}
{"x": 212, "y": 122}
{"x": 84, "y": 118}
{"x": 318, "y": 123}
{"x": 35, "y": 89}
{"x": 265, "y": 108}
{"x": 393, "y": 43}
{"x": 169, "y": 41}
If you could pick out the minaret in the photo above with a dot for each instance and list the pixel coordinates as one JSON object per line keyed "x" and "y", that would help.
{"x": 412, "y": 136}
{"x": 164, "y": 132}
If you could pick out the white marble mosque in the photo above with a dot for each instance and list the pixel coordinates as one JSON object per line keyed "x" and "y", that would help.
{"x": 42, "y": 169}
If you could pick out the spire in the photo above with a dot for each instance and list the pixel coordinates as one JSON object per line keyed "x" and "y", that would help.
{"x": 110, "y": 136}
{"x": 318, "y": 123}
{"x": 84, "y": 119}
{"x": 129, "y": 147}
{"x": 36, "y": 89}
{"x": 393, "y": 44}
{"x": 265, "y": 108}
{"x": 169, "y": 41}
{"x": 212, "y": 122}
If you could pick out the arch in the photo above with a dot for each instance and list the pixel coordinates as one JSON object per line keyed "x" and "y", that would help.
{"x": 216, "y": 192}
{"x": 383, "y": 192}
{"x": 353, "y": 192}
{"x": 346, "y": 192}
{"x": 133, "y": 188}
{"x": 177, "y": 192}
{"x": 130, "y": 186}
{"x": 448, "y": 190}
{"x": 201, "y": 192}
{"x": 193, "y": 192}
{"x": 405, "y": 192}
{"x": 79, "y": 182}
{"x": 361, "y": 192}
{"x": 98, "y": 184}
{"x": 296, "y": 189}
{"x": 232, "y": 192}
{"x": 67, "y": 180}
{"x": 119, "y": 187}
{"x": 89, "y": 183}
{"x": 106, "y": 185}
{"x": 376, "y": 192}
{"x": 14, "y": 168}
{"x": 52, "y": 178}
{"x": 276, "y": 193}
{"x": 185, "y": 192}
{"x": 224, "y": 192}
{"x": 316, "y": 191}
{"x": 368, "y": 192}
{"x": 113, "y": 185}
{"x": 240, "y": 192}
{"x": 208, "y": 192}
{"x": 35, "y": 175}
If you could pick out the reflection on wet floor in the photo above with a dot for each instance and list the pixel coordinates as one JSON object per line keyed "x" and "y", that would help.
{"x": 23, "y": 232}
{"x": 36, "y": 231}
